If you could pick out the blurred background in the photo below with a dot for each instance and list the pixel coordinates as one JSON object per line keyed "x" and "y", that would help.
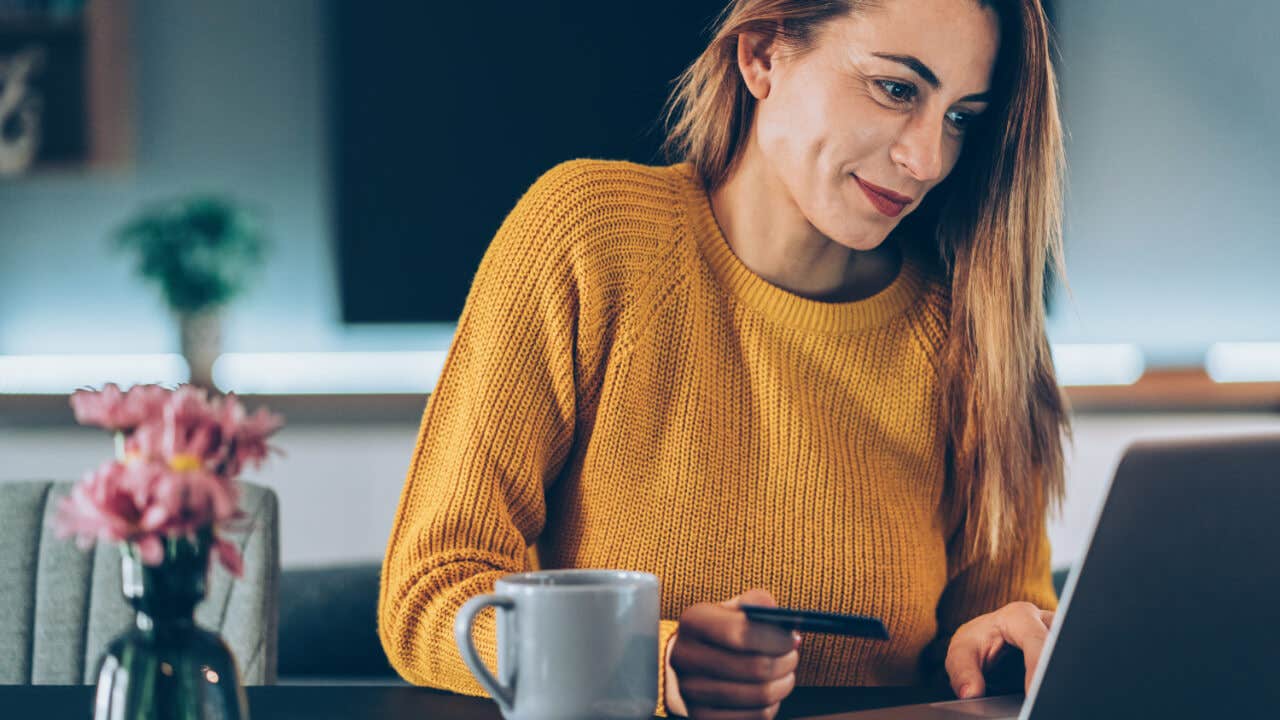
{"x": 349, "y": 162}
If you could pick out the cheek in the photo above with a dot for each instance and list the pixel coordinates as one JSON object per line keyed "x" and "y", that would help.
{"x": 810, "y": 114}
{"x": 867, "y": 130}
{"x": 774, "y": 128}
{"x": 791, "y": 120}
{"x": 872, "y": 137}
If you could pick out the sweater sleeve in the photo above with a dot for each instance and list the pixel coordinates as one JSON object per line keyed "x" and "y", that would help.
{"x": 666, "y": 633}
{"x": 1023, "y": 573}
{"x": 494, "y": 434}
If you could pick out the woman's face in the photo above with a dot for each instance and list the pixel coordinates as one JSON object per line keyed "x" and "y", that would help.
{"x": 883, "y": 98}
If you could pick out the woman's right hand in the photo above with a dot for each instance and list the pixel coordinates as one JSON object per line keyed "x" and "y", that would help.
{"x": 722, "y": 665}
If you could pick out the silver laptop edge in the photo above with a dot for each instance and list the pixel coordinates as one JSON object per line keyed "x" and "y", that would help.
{"x": 1068, "y": 589}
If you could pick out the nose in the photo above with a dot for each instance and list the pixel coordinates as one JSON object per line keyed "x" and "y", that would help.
{"x": 918, "y": 148}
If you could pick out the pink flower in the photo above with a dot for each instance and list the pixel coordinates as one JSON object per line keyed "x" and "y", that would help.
{"x": 182, "y": 502}
{"x": 212, "y": 433}
{"x": 229, "y": 555}
{"x": 151, "y": 549}
{"x": 144, "y": 502}
{"x": 182, "y": 454}
{"x": 99, "y": 507}
{"x": 185, "y": 424}
{"x": 115, "y": 410}
{"x": 248, "y": 434}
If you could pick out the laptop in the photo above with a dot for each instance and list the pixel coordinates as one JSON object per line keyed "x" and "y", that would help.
{"x": 1175, "y": 610}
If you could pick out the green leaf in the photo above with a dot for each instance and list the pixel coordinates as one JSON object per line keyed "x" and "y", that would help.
{"x": 201, "y": 250}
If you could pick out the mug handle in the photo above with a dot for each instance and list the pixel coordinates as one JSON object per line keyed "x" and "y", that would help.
{"x": 503, "y": 694}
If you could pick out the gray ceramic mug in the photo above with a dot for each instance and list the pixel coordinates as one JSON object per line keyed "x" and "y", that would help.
{"x": 571, "y": 644}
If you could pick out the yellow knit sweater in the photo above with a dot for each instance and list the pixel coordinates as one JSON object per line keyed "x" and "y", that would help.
{"x": 622, "y": 392}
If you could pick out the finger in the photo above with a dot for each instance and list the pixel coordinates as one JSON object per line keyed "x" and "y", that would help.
{"x": 964, "y": 663}
{"x": 702, "y": 691}
{"x": 730, "y": 629}
{"x": 1046, "y": 617}
{"x": 693, "y": 656}
{"x": 1022, "y": 625}
{"x": 754, "y": 596}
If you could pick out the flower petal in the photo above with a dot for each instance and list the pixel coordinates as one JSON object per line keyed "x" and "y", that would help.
{"x": 229, "y": 556}
{"x": 150, "y": 549}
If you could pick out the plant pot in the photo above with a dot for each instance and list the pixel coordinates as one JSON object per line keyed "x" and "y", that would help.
{"x": 201, "y": 344}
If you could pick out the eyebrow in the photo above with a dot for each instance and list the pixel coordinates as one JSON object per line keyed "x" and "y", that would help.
{"x": 913, "y": 63}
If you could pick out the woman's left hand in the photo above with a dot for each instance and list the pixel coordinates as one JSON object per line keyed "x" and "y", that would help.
{"x": 976, "y": 644}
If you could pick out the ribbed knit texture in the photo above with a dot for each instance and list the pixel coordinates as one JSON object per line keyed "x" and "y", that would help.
{"x": 625, "y": 393}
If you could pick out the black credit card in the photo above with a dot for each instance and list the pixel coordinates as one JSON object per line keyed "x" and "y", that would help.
{"x": 816, "y": 621}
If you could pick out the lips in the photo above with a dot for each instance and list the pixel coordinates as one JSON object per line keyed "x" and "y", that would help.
{"x": 886, "y": 201}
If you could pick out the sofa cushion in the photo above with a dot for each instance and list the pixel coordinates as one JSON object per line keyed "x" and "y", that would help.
{"x": 328, "y": 623}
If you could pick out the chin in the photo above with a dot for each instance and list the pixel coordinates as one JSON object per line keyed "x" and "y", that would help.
{"x": 861, "y": 243}
{"x": 866, "y": 234}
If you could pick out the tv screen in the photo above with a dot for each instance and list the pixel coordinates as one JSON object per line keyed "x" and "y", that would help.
{"x": 445, "y": 113}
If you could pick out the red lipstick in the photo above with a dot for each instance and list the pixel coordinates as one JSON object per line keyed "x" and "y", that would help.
{"x": 885, "y": 200}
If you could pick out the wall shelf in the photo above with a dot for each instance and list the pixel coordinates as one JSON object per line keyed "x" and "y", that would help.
{"x": 70, "y": 74}
{"x": 1168, "y": 390}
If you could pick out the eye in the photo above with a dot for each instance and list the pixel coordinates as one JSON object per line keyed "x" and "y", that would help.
{"x": 898, "y": 92}
{"x": 961, "y": 120}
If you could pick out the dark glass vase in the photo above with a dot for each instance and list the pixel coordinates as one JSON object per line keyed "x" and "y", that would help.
{"x": 166, "y": 667}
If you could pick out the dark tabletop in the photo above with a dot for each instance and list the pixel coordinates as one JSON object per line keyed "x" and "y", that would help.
{"x": 319, "y": 702}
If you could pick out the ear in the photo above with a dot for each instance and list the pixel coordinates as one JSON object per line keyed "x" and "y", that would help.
{"x": 755, "y": 61}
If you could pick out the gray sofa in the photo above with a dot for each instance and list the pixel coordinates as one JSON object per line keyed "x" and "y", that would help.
{"x": 329, "y": 625}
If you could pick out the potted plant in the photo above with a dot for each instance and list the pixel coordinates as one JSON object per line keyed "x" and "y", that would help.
{"x": 201, "y": 251}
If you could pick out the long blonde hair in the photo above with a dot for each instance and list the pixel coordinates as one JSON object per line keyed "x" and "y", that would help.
{"x": 993, "y": 226}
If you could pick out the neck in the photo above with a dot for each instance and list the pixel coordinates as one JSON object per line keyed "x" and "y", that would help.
{"x": 772, "y": 237}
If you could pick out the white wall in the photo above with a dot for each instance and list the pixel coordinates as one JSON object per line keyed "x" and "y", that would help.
{"x": 1172, "y": 220}
{"x": 339, "y": 485}
{"x": 1100, "y": 440}
{"x": 232, "y": 97}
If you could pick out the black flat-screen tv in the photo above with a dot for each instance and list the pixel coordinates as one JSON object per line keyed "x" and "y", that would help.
{"x": 445, "y": 113}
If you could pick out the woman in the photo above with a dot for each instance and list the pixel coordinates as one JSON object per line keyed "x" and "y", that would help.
{"x": 806, "y": 364}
